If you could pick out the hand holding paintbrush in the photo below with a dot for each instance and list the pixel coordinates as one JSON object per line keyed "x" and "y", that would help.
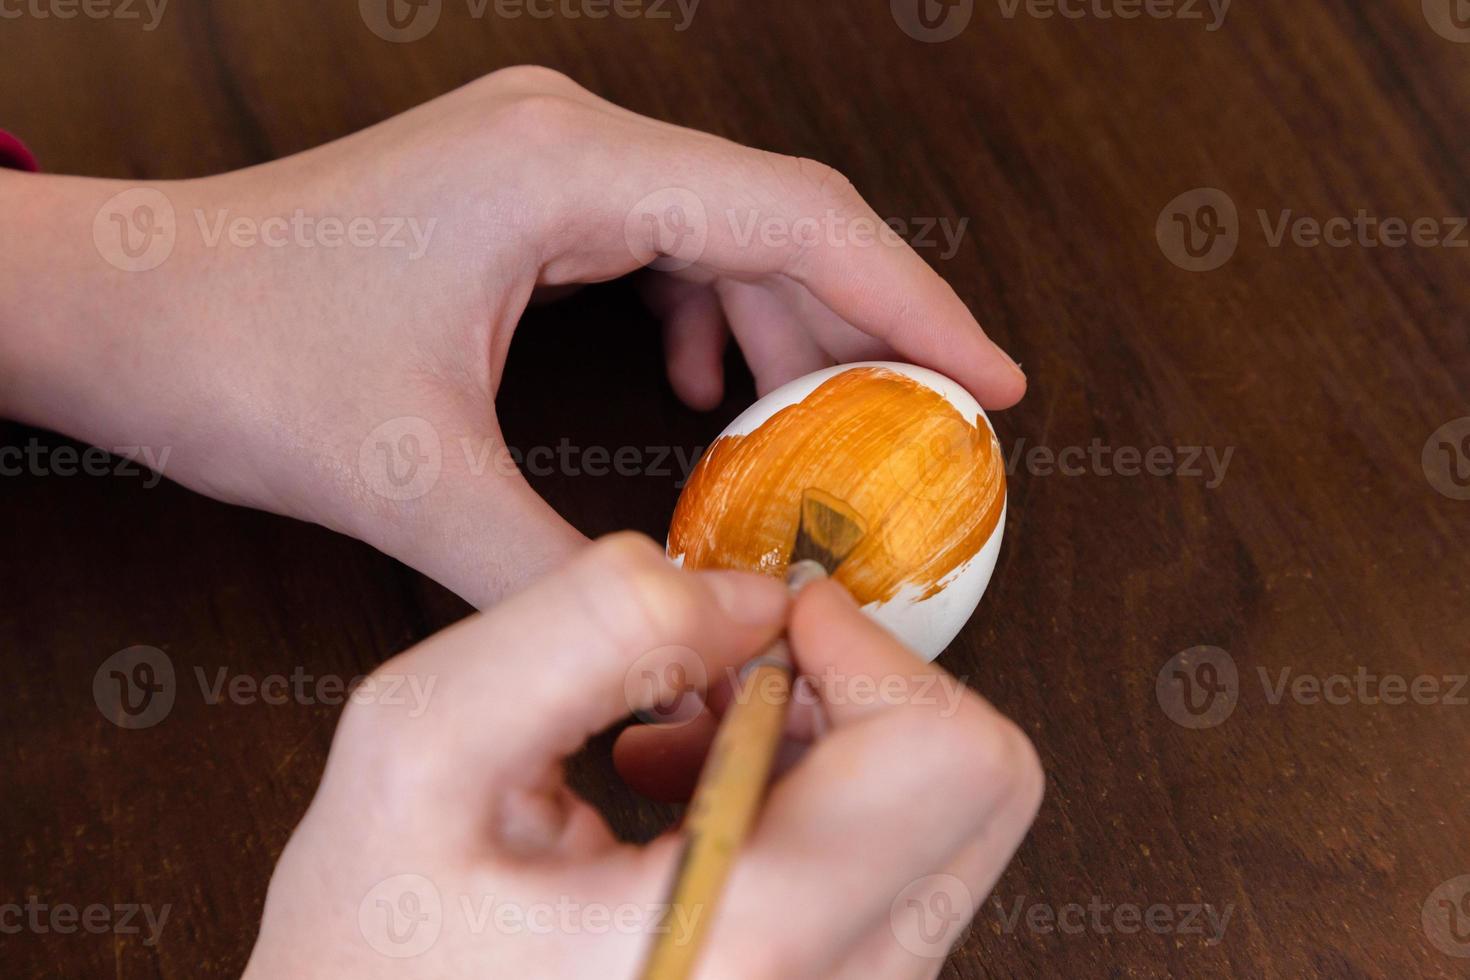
{"x": 456, "y": 849}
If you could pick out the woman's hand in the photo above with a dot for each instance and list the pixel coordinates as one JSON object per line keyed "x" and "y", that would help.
{"x": 323, "y": 336}
{"x": 443, "y": 842}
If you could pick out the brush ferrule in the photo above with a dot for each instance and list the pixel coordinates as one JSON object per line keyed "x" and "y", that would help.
{"x": 802, "y": 573}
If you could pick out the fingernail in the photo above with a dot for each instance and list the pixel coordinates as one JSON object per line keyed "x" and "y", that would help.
{"x": 752, "y": 600}
{"x": 1009, "y": 359}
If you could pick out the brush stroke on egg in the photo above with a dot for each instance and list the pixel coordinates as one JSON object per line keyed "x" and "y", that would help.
{"x": 929, "y": 483}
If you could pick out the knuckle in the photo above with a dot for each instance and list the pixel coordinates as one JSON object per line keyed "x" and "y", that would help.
{"x": 626, "y": 551}
{"x": 774, "y": 958}
{"x": 638, "y": 598}
{"x": 361, "y": 709}
{"x": 374, "y": 736}
{"x": 990, "y": 752}
{"x": 1023, "y": 779}
{"x": 543, "y": 114}
{"x": 770, "y": 966}
{"x": 828, "y": 183}
{"x": 523, "y": 78}
{"x": 532, "y": 101}
{"x": 662, "y": 607}
{"x": 1031, "y": 788}
{"x": 815, "y": 191}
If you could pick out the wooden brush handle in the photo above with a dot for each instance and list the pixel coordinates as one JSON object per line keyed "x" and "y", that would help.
{"x": 725, "y": 801}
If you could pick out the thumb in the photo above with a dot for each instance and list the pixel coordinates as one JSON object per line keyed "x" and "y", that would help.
{"x": 487, "y": 539}
{"x": 518, "y": 689}
{"x": 448, "y": 499}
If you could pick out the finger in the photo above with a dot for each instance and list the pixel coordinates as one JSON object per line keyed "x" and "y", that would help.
{"x": 694, "y": 338}
{"x": 700, "y": 199}
{"x": 777, "y": 345}
{"x": 841, "y": 340}
{"x": 891, "y": 293}
{"x": 664, "y": 761}
{"x": 784, "y": 332}
{"x": 904, "y": 782}
{"x": 933, "y": 912}
{"x": 520, "y": 688}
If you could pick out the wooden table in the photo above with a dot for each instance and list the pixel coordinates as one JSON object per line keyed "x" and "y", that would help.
{"x": 1332, "y": 545}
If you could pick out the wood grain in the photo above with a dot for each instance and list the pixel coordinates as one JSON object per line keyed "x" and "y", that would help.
{"x": 1323, "y": 828}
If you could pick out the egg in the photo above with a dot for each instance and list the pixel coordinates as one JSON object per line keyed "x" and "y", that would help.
{"x": 907, "y": 449}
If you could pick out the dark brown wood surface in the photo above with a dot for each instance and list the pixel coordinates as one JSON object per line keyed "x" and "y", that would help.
{"x": 1324, "y": 829}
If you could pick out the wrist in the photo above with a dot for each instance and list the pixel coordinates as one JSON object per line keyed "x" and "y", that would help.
{"x": 103, "y": 322}
{"x": 33, "y": 271}
{"x": 70, "y": 318}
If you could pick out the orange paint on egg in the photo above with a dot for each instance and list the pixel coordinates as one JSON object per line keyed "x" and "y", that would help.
{"x": 929, "y": 483}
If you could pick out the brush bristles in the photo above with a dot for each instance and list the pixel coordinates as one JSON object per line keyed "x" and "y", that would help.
{"x": 828, "y": 531}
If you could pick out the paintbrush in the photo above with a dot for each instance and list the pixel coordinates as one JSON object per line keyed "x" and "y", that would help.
{"x": 733, "y": 779}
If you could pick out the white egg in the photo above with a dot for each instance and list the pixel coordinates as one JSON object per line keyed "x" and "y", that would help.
{"x": 908, "y": 449}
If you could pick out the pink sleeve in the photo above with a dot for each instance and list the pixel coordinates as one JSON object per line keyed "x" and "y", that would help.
{"x": 13, "y": 153}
